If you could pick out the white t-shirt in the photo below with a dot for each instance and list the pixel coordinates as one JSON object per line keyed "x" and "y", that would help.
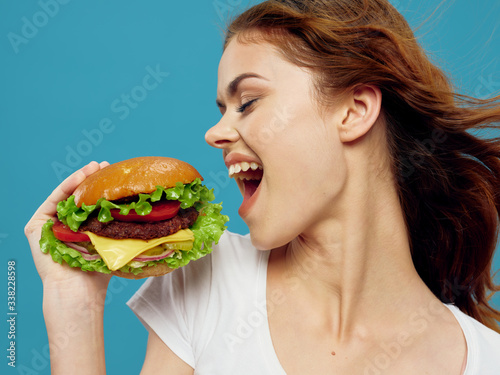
{"x": 212, "y": 314}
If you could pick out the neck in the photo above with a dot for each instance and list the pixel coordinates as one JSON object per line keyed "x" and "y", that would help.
{"x": 355, "y": 265}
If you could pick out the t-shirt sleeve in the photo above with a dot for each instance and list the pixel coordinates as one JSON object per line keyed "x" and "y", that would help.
{"x": 172, "y": 306}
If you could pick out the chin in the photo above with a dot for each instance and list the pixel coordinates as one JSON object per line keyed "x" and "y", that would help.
{"x": 260, "y": 245}
{"x": 267, "y": 240}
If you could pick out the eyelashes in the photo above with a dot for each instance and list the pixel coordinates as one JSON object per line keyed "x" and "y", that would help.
{"x": 245, "y": 106}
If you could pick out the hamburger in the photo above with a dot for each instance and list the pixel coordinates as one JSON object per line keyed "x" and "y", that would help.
{"x": 137, "y": 218}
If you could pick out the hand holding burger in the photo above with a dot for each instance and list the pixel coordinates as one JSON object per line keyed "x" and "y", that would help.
{"x": 137, "y": 218}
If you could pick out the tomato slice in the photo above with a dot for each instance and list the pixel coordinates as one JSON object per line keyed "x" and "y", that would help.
{"x": 63, "y": 233}
{"x": 161, "y": 211}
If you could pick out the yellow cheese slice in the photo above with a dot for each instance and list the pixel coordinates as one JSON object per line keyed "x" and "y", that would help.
{"x": 117, "y": 253}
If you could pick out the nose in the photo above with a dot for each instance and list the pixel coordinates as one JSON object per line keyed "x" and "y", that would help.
{"x": 221, "y": 134}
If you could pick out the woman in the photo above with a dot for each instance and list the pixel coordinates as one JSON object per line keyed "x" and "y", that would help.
{"x": 358, "y": 172}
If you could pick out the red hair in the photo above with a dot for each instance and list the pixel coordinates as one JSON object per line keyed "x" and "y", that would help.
{"x": 448, "y": 179}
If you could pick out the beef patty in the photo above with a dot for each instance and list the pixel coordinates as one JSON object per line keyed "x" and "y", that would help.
{"x": 144, "y": 231}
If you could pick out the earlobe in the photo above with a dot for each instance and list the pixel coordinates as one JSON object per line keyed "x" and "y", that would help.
{"x": 361, "y": 112}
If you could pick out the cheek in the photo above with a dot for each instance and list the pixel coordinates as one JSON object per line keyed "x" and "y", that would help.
{"x": 292, "y": 205}
{"x": 304, "y": 174}
{"x": 268, "y": 126}
{"x": 307, "y": 156}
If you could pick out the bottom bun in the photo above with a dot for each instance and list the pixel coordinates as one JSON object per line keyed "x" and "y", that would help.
{"x": 151, "y": 271}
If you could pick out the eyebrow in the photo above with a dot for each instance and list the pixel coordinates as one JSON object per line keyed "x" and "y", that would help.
{"x": 233, "y": 85}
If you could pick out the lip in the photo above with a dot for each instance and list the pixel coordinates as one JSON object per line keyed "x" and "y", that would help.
{"x": 248, "y": 202}
{"x": 236, "y": 157}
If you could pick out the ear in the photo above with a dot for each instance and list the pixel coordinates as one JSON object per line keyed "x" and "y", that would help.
{"x": 362, "y": 109}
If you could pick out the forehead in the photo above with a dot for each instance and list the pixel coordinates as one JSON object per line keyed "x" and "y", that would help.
{"x": 238, "y": 58}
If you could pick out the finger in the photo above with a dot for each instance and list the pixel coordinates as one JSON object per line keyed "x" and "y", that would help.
{"x": 48, "y": 209}
{"x": 65, "y": 189}
{"x": 91, "y": 168}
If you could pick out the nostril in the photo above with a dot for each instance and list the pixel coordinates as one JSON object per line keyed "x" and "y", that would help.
{"x": 221, "y": 135}
{"x": 222, "y": 142}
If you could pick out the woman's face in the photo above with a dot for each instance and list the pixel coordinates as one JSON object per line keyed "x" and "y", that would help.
{"x": 286, "y": 157}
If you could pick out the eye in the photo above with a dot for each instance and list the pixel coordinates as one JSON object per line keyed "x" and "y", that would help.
{"x": 245, "y": 106}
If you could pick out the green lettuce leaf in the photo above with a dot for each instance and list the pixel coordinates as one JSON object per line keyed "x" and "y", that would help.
{"x": 59, "y": 252}
{"x": 73, "y": 216}
{"x": 207, "y": 230}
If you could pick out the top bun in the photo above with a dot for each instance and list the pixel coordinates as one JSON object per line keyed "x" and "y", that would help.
{"x": 132, "y": 177}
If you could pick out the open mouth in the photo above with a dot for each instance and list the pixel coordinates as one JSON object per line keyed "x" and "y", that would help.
{"x": 248, "y": 176}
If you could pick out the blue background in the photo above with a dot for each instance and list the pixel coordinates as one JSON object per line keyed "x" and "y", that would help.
{"x": 68, "y": 76}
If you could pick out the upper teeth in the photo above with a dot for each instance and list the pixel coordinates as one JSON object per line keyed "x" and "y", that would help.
{"x": 243, "y": 167}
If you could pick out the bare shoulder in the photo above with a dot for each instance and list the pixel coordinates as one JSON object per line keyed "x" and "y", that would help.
{"x": 432, "y": 342}
{"x": 161, "y": 360}
{"x": 439, "y": 345}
